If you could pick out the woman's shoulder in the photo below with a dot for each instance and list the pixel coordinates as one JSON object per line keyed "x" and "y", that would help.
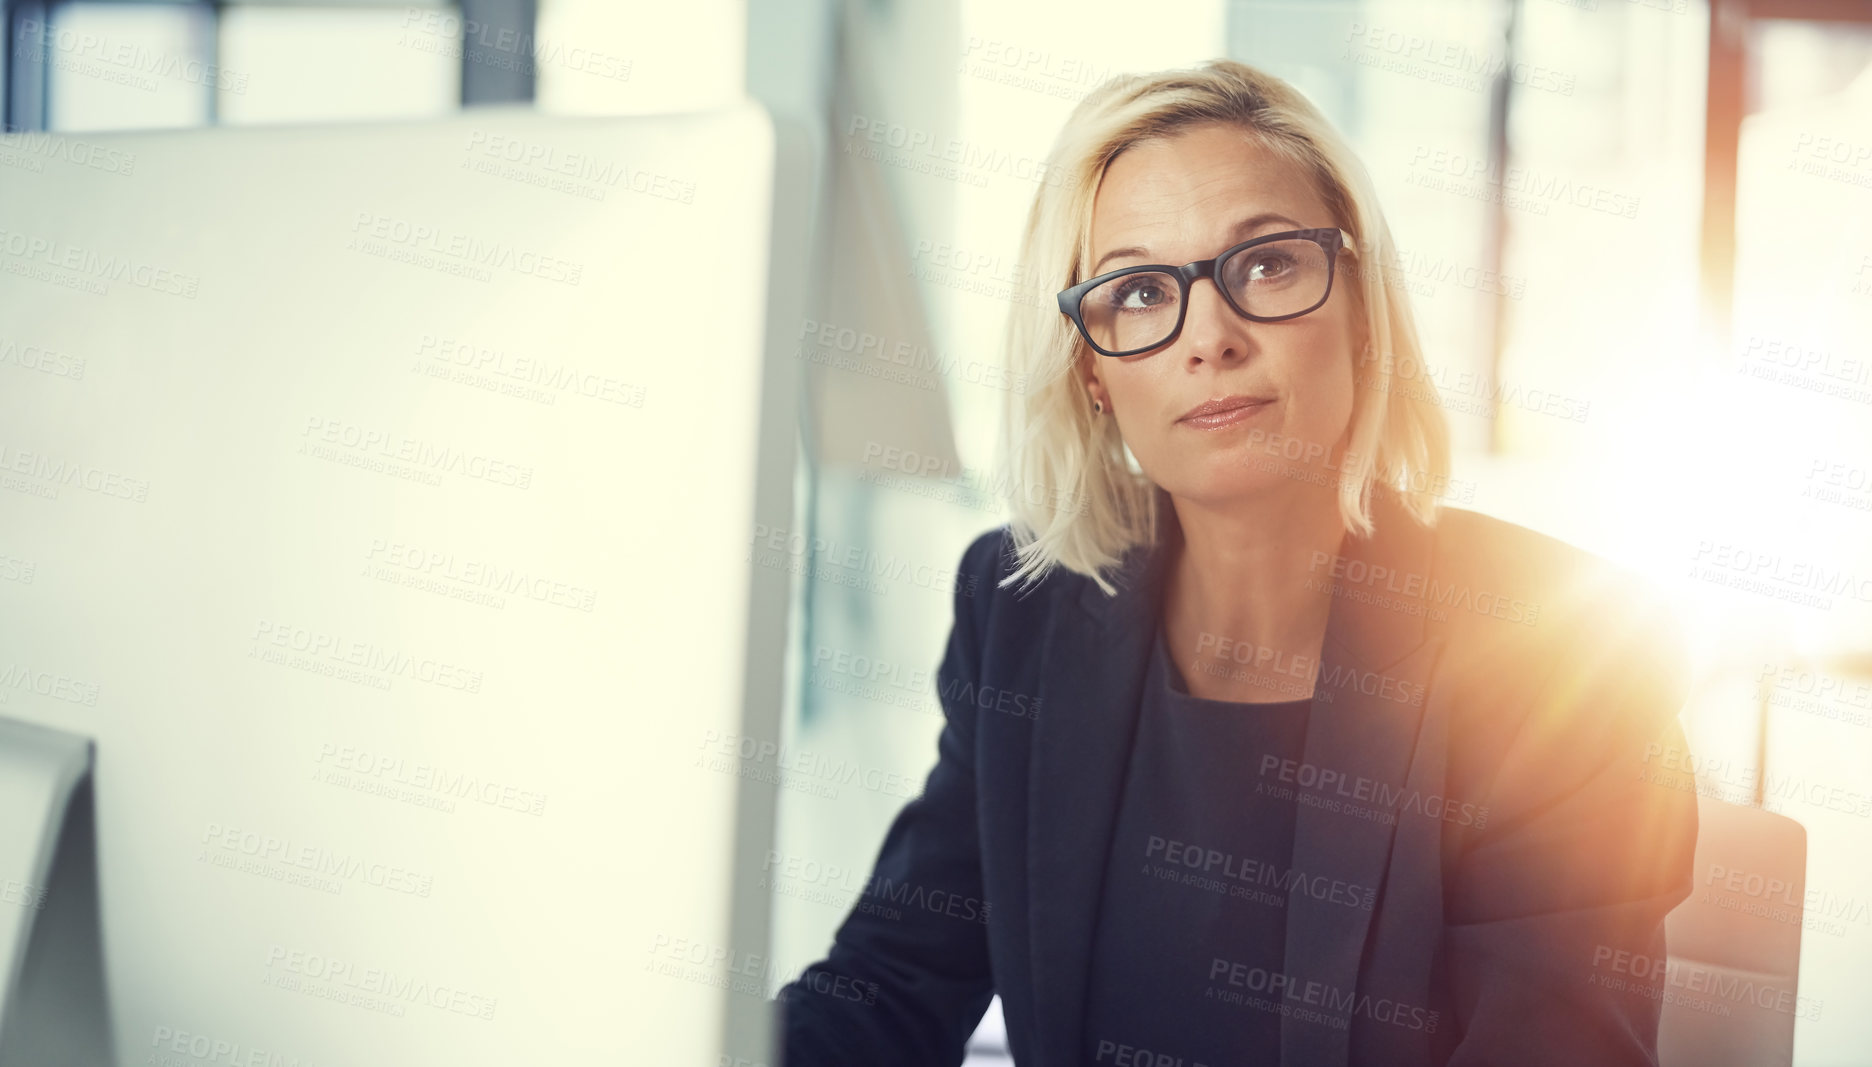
{"x": 991, "y": 557}
{"x": 1488, "y": 570}
{"x": 1535, "y": 623}
{"x": 989, "y": 554}
{"x": 1593, "y": 678}
{"x": 1001, "y": 599}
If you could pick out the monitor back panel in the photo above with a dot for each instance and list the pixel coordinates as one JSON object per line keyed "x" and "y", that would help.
{"x": 378, "y": 497}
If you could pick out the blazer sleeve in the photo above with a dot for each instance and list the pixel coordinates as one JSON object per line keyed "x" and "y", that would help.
{"x": 907, "y": 979}
{"x": 1581, "y": 857}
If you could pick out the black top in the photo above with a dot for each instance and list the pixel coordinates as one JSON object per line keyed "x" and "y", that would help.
{"x": 1195, "y": 883}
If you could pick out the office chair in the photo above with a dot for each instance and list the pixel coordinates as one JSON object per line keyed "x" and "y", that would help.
{"x": 1734, "y": 944}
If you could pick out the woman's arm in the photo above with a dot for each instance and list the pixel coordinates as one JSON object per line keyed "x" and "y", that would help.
{"x": 1582, "y": 856}
{"x": 907, "y": 981}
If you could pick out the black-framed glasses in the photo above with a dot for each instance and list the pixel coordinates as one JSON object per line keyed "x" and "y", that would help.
{"x": 1269, "y": 278}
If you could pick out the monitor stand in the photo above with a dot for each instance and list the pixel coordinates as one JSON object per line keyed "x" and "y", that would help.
{"x": 54, "y": 1008}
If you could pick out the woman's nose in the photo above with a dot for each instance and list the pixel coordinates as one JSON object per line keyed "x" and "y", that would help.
{"x": 1211, "y": 328}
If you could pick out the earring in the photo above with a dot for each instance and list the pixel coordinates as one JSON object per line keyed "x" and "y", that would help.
{"x": 1098, "y": 406}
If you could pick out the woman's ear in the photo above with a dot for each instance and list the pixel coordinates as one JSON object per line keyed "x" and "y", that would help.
{"x": 1096, "y": 396}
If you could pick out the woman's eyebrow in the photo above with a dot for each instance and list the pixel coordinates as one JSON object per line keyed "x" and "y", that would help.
{"x": 1235, "y": 233}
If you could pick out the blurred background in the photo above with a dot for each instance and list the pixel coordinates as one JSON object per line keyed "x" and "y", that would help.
{"x": 1637, "y": 235}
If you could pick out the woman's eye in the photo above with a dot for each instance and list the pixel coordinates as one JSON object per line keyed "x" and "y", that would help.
{"x": 1142, "y": 295}
{"x": 1270, "y": 267}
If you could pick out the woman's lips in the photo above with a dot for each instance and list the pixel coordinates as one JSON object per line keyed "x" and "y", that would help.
{"x": 1226, "y": 418}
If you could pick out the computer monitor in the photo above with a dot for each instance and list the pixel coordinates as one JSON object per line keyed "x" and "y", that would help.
{"x": 377, "y": 498}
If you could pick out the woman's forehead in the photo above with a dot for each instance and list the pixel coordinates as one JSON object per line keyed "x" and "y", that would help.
{"x": 1173, "y": 194}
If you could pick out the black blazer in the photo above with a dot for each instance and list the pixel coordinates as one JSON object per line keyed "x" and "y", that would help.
{"x": 1487, "y": 706}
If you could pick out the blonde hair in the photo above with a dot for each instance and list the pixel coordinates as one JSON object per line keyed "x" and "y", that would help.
{"x": 1074, "y": 499}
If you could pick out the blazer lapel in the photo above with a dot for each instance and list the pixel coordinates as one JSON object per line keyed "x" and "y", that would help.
{"x": 1092, "y": 669}
{"x": 1362, "y": 734}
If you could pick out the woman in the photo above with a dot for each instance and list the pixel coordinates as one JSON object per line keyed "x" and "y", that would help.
{"x": 1309, "y": 771}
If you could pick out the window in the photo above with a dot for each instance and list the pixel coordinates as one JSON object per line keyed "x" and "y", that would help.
{"x": 112, "y": 66}
{"x": 117, "y": 65}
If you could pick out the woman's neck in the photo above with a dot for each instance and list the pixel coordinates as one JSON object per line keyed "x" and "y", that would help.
{"x": 1250, "y": 587}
